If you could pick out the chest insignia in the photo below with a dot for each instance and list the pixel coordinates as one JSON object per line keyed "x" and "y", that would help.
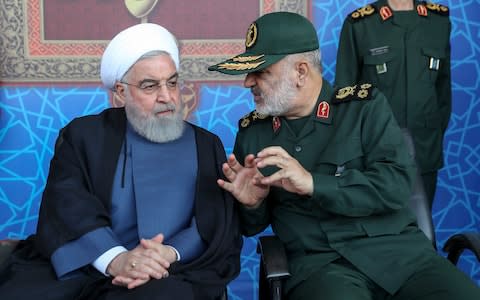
{"x": 323, "y": 110}
{"x": 385, "y": 13}
{"x": 362, "y": 12}
{"x": 250, "y": 118}
{"x": 356, "y": 92}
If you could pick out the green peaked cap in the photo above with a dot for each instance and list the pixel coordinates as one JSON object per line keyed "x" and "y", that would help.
{"x": 269, "y": 39}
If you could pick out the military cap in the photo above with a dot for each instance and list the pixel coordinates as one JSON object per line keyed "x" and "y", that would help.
{"x": 269, "y": 39}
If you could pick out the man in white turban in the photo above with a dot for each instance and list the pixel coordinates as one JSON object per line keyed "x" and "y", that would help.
{"x": 131, "y": 208}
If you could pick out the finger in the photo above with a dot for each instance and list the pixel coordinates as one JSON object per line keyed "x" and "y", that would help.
{"x": 250, "y": 161}
{"x": 158, "y": 238}
{"x": 274, "y": 179}
{"x": 272, "y": 150}
{"x": 275, "y": 160}
{"x": 136, "y": 283}
{"x": 225, "y": 185}
{"x": 156, "y": 260}
{"x": 228, "y": 172}
{"x": 121, "y": 280}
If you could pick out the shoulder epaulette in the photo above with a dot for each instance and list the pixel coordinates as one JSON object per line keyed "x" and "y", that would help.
{"x": 250, "y": 118}
{"x": 362, "y": 12}
{"x": 361, "y": 91}
{"x": 437, "y": 8}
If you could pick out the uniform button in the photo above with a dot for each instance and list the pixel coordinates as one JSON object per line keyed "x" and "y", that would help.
{"x": 298, "y": 148}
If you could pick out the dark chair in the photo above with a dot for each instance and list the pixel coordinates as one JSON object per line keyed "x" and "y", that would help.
{"x": 274, "y": 266}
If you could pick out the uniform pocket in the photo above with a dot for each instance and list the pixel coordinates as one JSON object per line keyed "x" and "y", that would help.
{"x": 340, "y": 157}
{"x": 432, "y": 60}
{"x": 379, "y": 69}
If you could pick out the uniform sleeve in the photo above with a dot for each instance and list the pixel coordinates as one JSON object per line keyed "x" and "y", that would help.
{"x": 348, "y": 60}
{"x": 443, "y": 86}
{"x": 384, "y": 184}
{"x": 252, "y": 221}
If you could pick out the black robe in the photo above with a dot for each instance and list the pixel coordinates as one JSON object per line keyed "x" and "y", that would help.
{"x": 77, "y": 200}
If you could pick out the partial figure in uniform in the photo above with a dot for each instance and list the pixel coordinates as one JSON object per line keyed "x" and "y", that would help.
{"x": 403, "y": 48}
{"x": 328, "y": 169}
{"x": 131, "y": 207}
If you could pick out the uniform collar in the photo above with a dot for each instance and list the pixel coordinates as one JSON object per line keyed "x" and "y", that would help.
{"x": 386, "y": 12}
{"x": 321, "y": 113}
{"x": 323, "y": 109}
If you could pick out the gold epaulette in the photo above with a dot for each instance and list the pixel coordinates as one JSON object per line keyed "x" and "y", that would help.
{"x": 361, "y": 91}
{"x": 250, "y": 118}
{"x": 362, "y": 12}
{"x": 437, "y": 8}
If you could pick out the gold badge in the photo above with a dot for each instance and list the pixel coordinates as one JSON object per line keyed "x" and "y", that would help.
{"x": 247, "y": 58}
{"x": 239, "y": 66}
{"x": 245, "y": 122}
{"x": 364, "y": 11}
{"x": 345, "y": 92}
{"x": 251, "y": 35}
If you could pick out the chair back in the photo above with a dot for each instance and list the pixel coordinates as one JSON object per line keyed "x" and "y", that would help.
{"x": 421, "y": 208}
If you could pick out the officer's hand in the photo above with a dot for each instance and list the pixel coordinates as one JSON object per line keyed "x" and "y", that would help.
{"x": 291, "y": 176}
{"x": 244, "y": 181}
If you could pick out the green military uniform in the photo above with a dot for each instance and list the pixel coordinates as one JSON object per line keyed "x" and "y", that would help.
{"x": 406, "y": 54}
{"x": 362, "y": 176}
{"x": 355, "y": 236}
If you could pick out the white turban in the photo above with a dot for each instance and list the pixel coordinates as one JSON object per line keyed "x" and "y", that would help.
{"x": 129, "y": 45}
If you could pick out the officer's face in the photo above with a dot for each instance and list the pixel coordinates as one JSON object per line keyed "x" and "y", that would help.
{"x": 273, "y": 88}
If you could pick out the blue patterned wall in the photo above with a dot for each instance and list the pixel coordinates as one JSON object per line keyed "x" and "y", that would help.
{"x": 31, "y": 116}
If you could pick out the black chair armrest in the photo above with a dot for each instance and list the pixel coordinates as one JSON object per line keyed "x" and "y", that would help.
{"x": 274, "y": 258}
{"x": 459, "y": 242}
{"x": 273, "y": 267}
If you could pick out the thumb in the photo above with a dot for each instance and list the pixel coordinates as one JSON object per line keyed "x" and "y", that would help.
{"x": 158, "y": 238}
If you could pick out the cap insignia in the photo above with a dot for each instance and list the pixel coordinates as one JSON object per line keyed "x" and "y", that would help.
{"x": 356, "y": 92}
{"x": 251, "y": 35}
{"x": 240, "y": 66}
{"x": 438, "y": 8}
{"x": 362, "y": 12}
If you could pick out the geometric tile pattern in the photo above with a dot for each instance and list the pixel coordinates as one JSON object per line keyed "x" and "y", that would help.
{"x": 29, "y": 122}
{"x": 31, "y": 116}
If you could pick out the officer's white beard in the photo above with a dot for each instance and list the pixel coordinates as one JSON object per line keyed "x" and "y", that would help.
{"x": 280, "y": 100}
{"x": 158, "y": 129}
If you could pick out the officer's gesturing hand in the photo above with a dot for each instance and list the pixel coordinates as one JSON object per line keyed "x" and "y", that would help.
{"x": 291, "y": 176}
{"x": 244, "y": 182}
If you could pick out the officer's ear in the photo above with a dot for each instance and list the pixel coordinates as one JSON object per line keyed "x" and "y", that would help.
{"x": 302, "y": 69}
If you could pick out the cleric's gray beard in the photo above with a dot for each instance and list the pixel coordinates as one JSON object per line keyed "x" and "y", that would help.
{"x": 154, "y": 128}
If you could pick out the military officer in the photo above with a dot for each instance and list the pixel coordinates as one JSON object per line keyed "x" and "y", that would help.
{"x": 329, "y": 171}
{"x": 403, "y": 47}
